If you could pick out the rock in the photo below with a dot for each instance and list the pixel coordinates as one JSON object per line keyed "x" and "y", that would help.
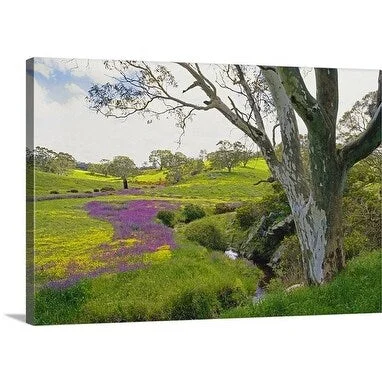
{"x": 293, "y": 287}
{"x": 231, "y": 254}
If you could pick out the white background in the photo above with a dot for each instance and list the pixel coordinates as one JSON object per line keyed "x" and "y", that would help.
{"x": 320, "y": 33}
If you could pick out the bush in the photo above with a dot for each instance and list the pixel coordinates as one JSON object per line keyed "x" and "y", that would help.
{"x": 193, "y": 212}
{"x": 289, "y": 268}
{"x": 354, "y": 243}
{"x": 105, "y": 189}
{"x": 88, "y": 192}
{"x": 167, "y": 217}
{"x": 248, "y": 214}
{"x": 223, "y": 208}
{"x": 96, "y": 190}
{"x": 207, "y": 234}
{"x": 231, "y": 296}
{"x": 195, "y": 304}
{"x": 74, "y": 191}
{"x": 54, "y": 192}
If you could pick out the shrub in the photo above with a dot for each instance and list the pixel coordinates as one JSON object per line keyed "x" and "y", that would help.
{"x": 73, "y": 191}
{"x": 222, "y": 208}
{"x": 195, "y": 304}
{"x": 54, "y": 192}
{"x": 231, "y": 296}
{"x": 248, "y": 214}
{"x": 167, "y": 217}
{"x": 354, "y": 243}
{"x": 193, "y": 212}
{"x": 88, "y": 192}
{"x": 96, "y": 190}
{"x": 207, "y": 234}
{"x": 105, "y": 189}
{"x": 289, "y": 268}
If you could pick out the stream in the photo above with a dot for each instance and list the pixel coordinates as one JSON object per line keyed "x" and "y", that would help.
{"x": 264, "y": 281}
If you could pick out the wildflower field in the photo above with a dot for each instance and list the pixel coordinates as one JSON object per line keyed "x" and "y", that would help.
{"x": 109, "y": 258}
{"x": 106, "y": 257}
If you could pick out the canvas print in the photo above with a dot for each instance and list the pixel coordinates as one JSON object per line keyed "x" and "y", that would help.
{"x": 180, "y": 191}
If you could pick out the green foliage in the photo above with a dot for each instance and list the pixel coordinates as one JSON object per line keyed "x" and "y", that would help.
{"x": 193, "y": 212}
{"x": 160, "y": 158}
{"x": 206, "y": 233}
{"x": 249, "y": 213}
{"x": 73, "y": 190}
{"x": 289, "y": 268}
{"x": 106, "y": 189}
{"x": 167, "y": 217}
{"x": 122, "y": 167}
{"x": 49, "y": 161}
{"x": 223, "y": 208}
{"x": 227, "y": 156}
{"x": 357, "y": 289}
{"x": 53, "y": 192}
{"x": 362, "y": 210}
{"x": 194, "y": 304}
{"x": 354, "y": 243}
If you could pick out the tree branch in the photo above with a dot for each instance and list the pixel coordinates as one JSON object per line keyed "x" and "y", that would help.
{"x": 365, "y": 143}
{"x": 303, "y": 102}
{"x": 370, "y": 139}
{"x": 327, "y": 92}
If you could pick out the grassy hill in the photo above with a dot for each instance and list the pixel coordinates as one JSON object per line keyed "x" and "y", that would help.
{"x": 238, "y": 184}
{"x": 214, "y": 184}
{"x": 76, "y": 179}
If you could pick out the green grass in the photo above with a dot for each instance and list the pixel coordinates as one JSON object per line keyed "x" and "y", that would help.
{"x": 355, "y": 290}
{"x": 75, "y": 179}
{"x": 151, "y": 177}
{"x": 66, "y": 234}
{"x": 222, "y": 185}
{"x": 191, "y": 283}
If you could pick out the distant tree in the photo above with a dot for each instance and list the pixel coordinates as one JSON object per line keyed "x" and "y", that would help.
{"x": 29, "y": 157}
{"x": 160, "y": 158}
{"x": 355, "y": 121}
{"x": 62, "y": 163}
{"x": 227, "y": 156}
{"x": 246, "y": 155}
{"x": 82, "y": 165}
{"x": 123, "y": 167}
{"x": 105, "y": 167}
{"x": 44, "y": 158}
{"x": 203, "y": 154}
{"x": 177, "y": 167}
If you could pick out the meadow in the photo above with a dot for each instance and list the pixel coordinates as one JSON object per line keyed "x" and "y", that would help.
{"x": 109, "y": 258}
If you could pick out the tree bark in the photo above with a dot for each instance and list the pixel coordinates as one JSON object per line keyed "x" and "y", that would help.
{"x": 125, "y": 185}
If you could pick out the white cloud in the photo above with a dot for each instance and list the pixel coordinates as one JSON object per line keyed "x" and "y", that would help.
{"x": 42, "y": 68}
{"x": 75, "y": 90}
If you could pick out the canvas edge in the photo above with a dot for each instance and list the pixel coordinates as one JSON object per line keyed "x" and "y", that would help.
{"x": 30, "y": 189}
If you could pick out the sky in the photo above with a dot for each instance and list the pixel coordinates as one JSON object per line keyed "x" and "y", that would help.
{"x": 64, "y": 122}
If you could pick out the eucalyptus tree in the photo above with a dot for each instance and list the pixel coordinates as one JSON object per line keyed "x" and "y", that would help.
{"x": 227, "y": 156}
{"x": 122, "y": 167}
{"x": 160, "y": 158}
{"x": 249, "y": 97}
